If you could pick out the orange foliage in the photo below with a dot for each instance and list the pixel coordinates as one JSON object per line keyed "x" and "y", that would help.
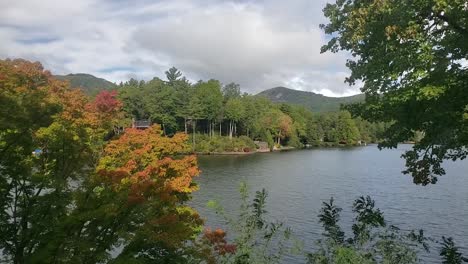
{"x": 24, "y": 94}
{"x": 143, "y": 162}
{"x": 29, "y": 80}
{"x": 145, "y": 169}
{"x": 31, "y": 98}
{"x": 285, "y": 125}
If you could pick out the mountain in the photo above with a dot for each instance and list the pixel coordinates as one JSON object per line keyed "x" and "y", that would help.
{"x": 88, "y": 83}
{"x": 314, "y": 102}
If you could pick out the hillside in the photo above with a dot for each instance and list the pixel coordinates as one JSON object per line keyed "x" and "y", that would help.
{"x": 88, "y": 83}
{"x": 314, "y": 102}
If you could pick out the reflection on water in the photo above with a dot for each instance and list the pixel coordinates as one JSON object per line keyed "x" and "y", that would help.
{"x": 298, "y": 182}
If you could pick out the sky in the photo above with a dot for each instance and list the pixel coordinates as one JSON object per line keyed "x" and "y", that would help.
{"x": 259, "y": 44}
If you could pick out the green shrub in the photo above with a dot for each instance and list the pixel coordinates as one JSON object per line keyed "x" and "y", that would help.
{"x": 205, "y": 144}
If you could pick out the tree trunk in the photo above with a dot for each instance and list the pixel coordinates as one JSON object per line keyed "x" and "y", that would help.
{"x": 230, "y": 129}
{"x": 193, "y": 136}
{"x": 164, "y": 129}
{"x": 213, "y": 129}
{"x": 185, "y": 124}
{"x": 220, "y": 123}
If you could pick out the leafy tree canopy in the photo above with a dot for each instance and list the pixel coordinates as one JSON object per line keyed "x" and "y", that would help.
{"x": 173, "y": 74}
{"x": 411, "y": 57}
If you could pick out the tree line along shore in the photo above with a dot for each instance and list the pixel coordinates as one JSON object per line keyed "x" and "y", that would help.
{"x": 222, "y": 119}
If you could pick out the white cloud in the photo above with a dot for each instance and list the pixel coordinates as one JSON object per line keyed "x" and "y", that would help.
{"x": 258, "y": 44}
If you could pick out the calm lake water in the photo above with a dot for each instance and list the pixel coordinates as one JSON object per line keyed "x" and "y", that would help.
{"x": 299, "y": 181}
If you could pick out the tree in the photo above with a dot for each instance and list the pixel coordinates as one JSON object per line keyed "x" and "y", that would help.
{"x": 207, "y": 102}
{"x": 277, "y": 123}
{"x": 255, "y": 107}
{"x": 372, "y": 242}
{"x": 106, "y": 102}
{"x": 132, "y": 97}
{"x": 300, "y": 117}
{"x": 68, "y": 196}
{"x": 255, "y": 238}
{"x": 314, "y": 131}
{"x": 450, "y": 252}
{"x": 231, "y": 91}
{"x": 173, "y": 75}
{"x": 411, "y": 57}
{"x": 183, "y": 91}
{"x": 159, "y": 102}
{"x": 346, "y": 129}
{"x": 139, "y": 193}
{"x": 48, "y": 141}
{"x": 26, "y": 107}
{"x": 234, "y": 112}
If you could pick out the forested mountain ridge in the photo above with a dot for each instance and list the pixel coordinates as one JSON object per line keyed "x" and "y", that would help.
{"x": 90, "y": 84}
{"x": 312, "y": 101}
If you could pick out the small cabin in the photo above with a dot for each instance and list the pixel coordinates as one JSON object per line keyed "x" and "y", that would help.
{"x": 141, "y": 124}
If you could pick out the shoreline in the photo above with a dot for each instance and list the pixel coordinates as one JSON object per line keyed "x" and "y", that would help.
{"x": 246, "y": 153}
{"x": 238, "y": 153}
{"x": 226, "y": 153}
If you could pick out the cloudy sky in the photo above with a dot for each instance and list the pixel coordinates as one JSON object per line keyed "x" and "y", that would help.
{"x": 257, "y": 43}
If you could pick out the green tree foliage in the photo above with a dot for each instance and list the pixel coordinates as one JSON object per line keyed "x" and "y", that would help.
{"x": 207, "y": 102}
{"x": 254, "y": 239}
{"x": 218, "y": 144}
{"x": 329, "y": 217}
{"x": 48, "y": 141}
{"x": 159, "y": 101}
{"x": 411, "y": 57}
{"x": 56, "y": 207}
{"x": 212, "y": 109}
{"x": 346, "y": 129}
{"x": 173, "y": 75}
{"x": 132, "y": 96}
{"x": 373, "y": 240}
{"x": 450, "y": 253}
{"x": 231, "y": 91}
{"x": 338, "y": 128}
{"x": 234, "y": 111}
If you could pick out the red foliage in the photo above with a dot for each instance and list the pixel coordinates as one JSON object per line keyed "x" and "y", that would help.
{"x": 217, "y": 239}
{"x": 107, "y": 102}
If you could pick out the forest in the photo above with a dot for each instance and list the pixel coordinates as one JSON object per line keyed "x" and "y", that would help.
{"x": 72, "y": 192}
{"x": 78, "y": 184}
{"x": 213, "y": 113}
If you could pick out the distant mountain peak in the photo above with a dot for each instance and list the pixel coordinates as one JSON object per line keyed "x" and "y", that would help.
{"x": 82, "y": 75}
{"x": 90, "y": 84}
{"x": 313, "y": 101}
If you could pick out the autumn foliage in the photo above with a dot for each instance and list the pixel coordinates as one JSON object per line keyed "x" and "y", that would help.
{"x": 144, "y": 171}
{"x": 142, "y": 160}
{"x": 82, "y": 196}
{"x": 217, "y": 239}
{"x": 107, "y": 102}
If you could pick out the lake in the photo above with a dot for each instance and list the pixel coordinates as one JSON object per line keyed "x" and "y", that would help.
{"x": 299, "y": 181}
